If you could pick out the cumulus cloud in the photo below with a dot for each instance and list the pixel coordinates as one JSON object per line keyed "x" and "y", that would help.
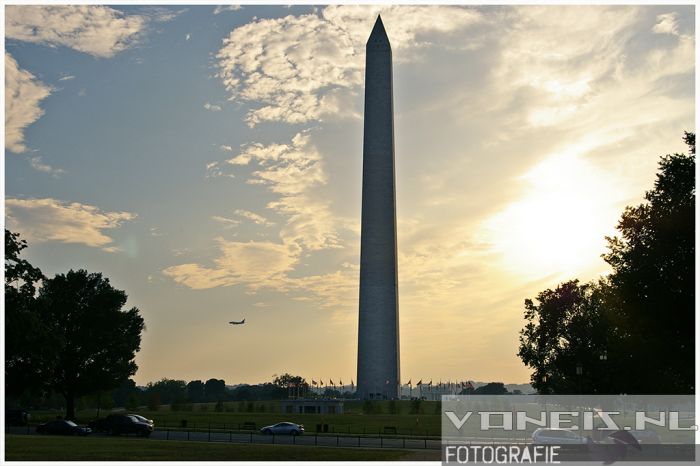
{"x": 223, "y": 8}
{"x": 37, "y": 164}
{"x": 53, "y": 220}
{"x": 23, "y": 94}
{"x": 666, "y": 24}
{"x": 93, "y": 29}
{"x": 300, "y": 68}
{"x": 255, "y": 218}
{"x": 255, "y": 264}
{"x": 227, "y": 222}
{"x": 212, "y": 107}
{"x": 293, "y": 171}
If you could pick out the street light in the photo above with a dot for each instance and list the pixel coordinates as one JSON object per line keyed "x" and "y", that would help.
{"x": 579, "y": 372}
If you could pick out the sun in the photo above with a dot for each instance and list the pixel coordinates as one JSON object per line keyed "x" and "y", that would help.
{"x": 558, "y": 225}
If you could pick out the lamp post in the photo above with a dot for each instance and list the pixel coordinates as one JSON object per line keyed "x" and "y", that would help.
{"x": 603, "y": 360}
{"x": 579, "y": 373}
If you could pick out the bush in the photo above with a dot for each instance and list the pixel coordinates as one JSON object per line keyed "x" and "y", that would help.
{"x": 219, "y": 407}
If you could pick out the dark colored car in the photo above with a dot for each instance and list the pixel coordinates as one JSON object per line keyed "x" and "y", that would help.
{"x": 62, "y": 427}
{"x": 118, "y": 424}
{"x": 141, "y": 418}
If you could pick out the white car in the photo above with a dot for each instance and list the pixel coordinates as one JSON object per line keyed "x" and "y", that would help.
{"x": 284, "y": 428}
{"x": 557, "y": 437}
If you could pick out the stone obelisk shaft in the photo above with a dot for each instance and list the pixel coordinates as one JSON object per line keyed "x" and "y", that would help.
{"x": 378, "y": 371}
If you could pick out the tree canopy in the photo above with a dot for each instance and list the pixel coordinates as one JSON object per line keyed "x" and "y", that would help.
{"x": 94, "y": 340}
{"x": 632, "y": 332}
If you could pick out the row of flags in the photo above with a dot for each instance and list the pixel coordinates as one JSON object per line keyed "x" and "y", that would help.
{"x": 465, "y": 385}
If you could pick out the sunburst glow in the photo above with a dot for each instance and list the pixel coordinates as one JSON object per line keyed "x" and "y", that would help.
{"x": 559, "y": 224}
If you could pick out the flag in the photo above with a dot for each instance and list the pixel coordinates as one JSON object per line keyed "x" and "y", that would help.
{"x": 341, "y": 383}
{"x": 331, "y": 382}
{"x": 430, "y": 384}
{"x": 313, "y": 382}
{"x": 470, "y": 386}
{"x": 322, "y": 382}
{"x": 409, "y": 382}
{"x": 420, "y": 382}
{"x": 352, "y": 384}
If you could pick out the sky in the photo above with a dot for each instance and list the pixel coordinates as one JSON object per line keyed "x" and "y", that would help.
{"x": 207, "y": 160}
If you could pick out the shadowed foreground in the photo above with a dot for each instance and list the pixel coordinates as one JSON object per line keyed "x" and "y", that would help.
{"x": 36, "y": 448}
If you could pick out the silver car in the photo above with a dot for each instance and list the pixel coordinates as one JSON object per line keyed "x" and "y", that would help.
{"x": 283, "y": 428}
{"x": 557, "y": 437}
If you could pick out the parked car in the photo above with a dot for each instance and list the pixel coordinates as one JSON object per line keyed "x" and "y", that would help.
{"x": 62, "y": 427}
{"x": 284, "y": 428}
{"x": 118, "y": 424}
{"x": 545, "y": 436}
{"x": 142, "y": 419}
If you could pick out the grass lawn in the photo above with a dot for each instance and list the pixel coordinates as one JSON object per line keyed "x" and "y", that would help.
{"x": 39, "y": 448}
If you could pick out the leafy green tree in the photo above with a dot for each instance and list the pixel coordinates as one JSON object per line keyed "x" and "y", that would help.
{"x": 93, "y": 339}
{"x": 195, "y": 391}
{"x": 25, "y": 354}
{"x": 565, "y": 332}
{"x": 492, "y": 388}
{"x": 215, "y": 389}
{"x": 653, "y": 261}
{"x": 632, "y": 332}
{"x": 169, "y": 390}
{"x": 285, "y": 380}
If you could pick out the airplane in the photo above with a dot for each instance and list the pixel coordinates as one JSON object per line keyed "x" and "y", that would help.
{"x": 233, "y": 322}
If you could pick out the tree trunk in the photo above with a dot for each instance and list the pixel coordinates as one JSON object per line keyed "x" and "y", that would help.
{"x": 70, "y": 406}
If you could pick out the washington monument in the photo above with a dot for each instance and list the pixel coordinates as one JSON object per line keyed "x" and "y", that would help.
{"x": 378, "y": 371}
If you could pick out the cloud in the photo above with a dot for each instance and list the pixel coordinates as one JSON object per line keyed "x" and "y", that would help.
{"x": 227, "y": 222}
{"x": 96, "y": 30}
{"x": 38, "y": 165}
{"x": 212, "y": 107}
{"x": 225, "y": 148}
{"x": 293, "y": 171}
{"x": 255, "y": 264}
{"x": 188, "y": 36}
{"x": 23, "y": 94}
{"x": 666, "y": 24}
{"x": 255, "y": 218}
{"x": 222, "y": 8}
{"x": 66, "y": 78}
{"x": 53, "y": 220}
{"x": 300, "y": 68}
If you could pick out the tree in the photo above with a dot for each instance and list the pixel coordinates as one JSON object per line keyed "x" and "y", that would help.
{"x": 632, "y": 332}
{"x": 287, "y": 380}
{"x": 492, "y": 388}
{"x": 169, "y": 390}
{"x": 653, "y": 263}
{"x": 94, "y": 340}
{"x": 25, "y": 355}
{"x": 565, "y": 332}
{"x": 215, "y": 389}
{"x": 195, "y": 391}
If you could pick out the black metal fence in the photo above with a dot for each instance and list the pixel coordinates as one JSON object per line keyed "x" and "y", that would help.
{"x": 235, "y": 434}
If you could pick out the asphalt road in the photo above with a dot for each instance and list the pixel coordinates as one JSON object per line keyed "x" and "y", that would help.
{"x": 344, "y": 441}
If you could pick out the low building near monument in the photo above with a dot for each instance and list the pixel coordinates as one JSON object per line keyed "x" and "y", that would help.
{"x": 312, "y": 406}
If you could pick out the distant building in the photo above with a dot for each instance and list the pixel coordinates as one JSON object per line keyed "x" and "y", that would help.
{"x": 311, "y": 406}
